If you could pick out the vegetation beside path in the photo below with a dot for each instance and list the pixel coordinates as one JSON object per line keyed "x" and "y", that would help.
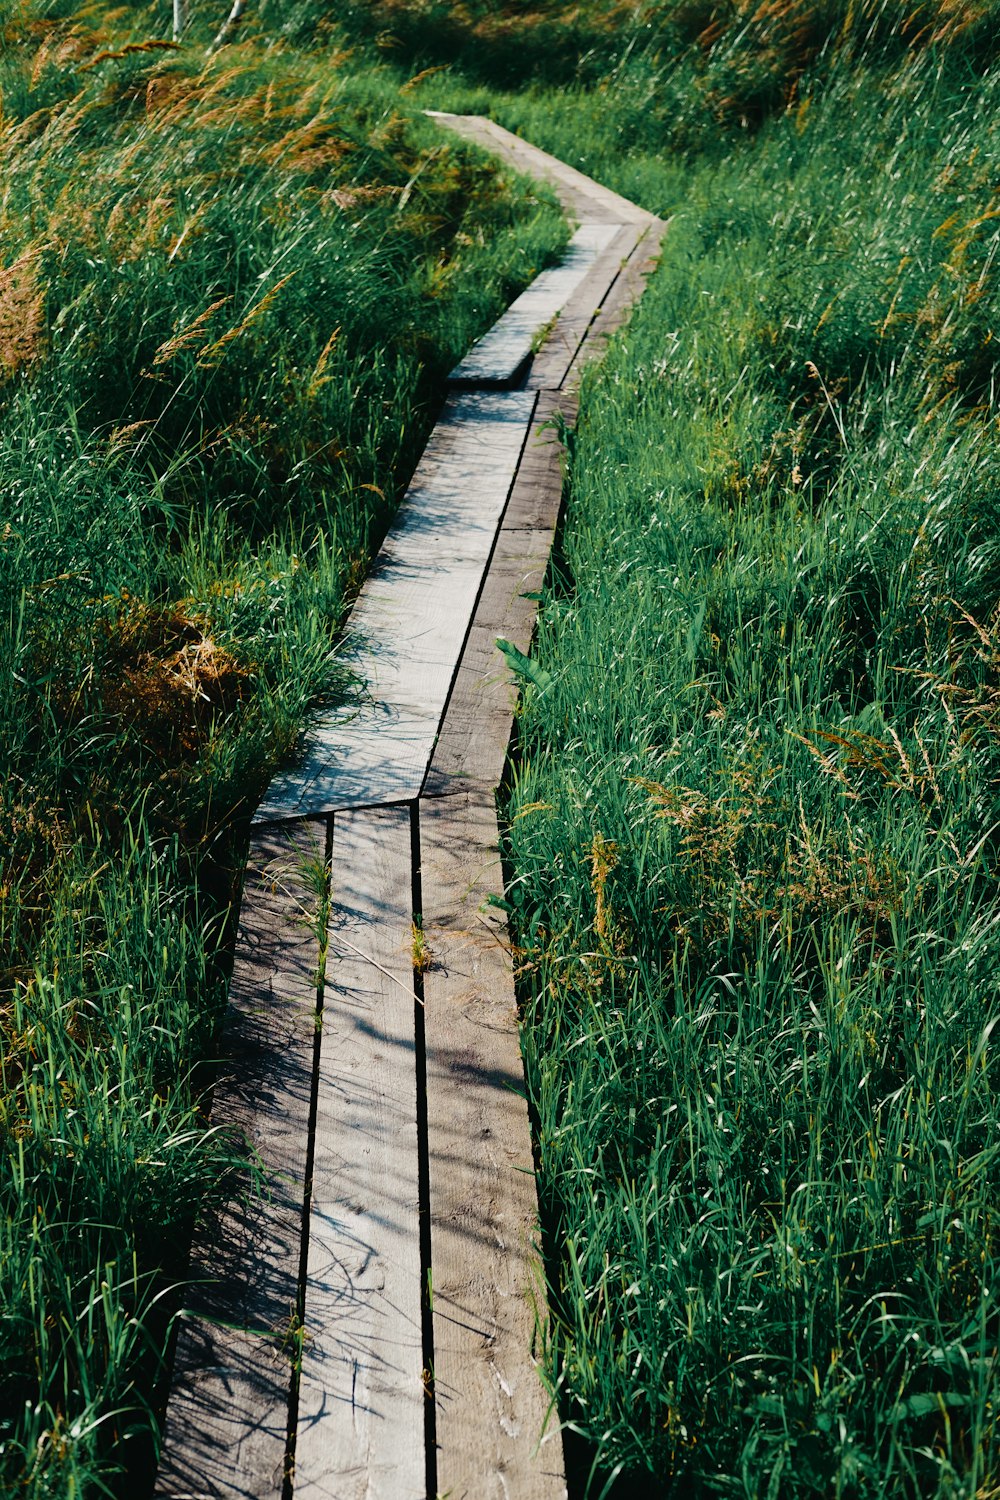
{"x": 753, "y": 833}
{"x": 229, "y": 288}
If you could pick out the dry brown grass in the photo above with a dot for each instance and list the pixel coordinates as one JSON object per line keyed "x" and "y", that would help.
{"x": 22, "y": 315}
{"x": 157, "y": 674}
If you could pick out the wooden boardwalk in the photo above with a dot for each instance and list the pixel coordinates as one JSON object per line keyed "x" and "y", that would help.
{"x": 366, "y": 1320}
{"x": 503, "y": 354}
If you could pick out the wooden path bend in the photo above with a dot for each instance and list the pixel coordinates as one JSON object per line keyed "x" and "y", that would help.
{"x": 365, "y": 1327}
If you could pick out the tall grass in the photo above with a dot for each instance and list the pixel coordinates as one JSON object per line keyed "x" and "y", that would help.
{"x": 753, "y": 837}
{"x": 683, "y": 73}
{"x": 229, "y": 287}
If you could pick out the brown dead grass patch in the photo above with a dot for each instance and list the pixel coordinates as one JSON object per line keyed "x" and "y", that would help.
{"x": 157, "y": 673}
{"x": 22, "y": 315}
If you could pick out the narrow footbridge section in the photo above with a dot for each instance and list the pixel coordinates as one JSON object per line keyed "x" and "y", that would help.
{"x": 365, "y": 1321}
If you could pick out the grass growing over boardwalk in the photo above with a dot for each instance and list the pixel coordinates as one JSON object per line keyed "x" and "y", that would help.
{"x": 229, "y": 287}
{"x": 753, "y": 836}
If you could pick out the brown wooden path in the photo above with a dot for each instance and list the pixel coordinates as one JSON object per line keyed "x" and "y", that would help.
{"x": 366, "y": 1322}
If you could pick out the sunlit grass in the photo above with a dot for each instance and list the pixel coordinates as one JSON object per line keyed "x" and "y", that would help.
{"x": 753, "y": 834}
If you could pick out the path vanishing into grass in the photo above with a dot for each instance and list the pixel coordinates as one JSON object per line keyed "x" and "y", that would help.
{"x": 370, "y": 1314}
{"x": 231, "y": 288}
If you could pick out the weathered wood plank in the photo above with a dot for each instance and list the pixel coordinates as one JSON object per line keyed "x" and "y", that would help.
{"x": 621, "y": 299}
{"x": 596, "y": 196}
{"x": 227, "y": 1417}
{"x": 501, "y": 356}
{"x": 360, "y": 1430}
{"x": 405, "y": 634}
{"x": 553, "y": 359}
{"x": 537, "y": 491}
{"x": 475, "y": 733}
{"x": 491, "y": 1407}
{"x": 518, "y": 154}
{"x": 475, "y": 740}
{"x": 517, "y": 572}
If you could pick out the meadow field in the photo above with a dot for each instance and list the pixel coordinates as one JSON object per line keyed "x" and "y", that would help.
{"x": 752, "y": 827}
{"x": 752, "y": 819}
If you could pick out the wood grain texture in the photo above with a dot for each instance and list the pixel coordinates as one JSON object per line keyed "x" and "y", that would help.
{"x": 621, "y": 299}
{"x": 536, "y": 495}
{"x": 226, "y": 1422}
{"x": 552, "y": 362}
{"x": 495, "y": 1437}
{"x": 405, "y": 634}
{"x": 474, "y": 738}
{"x": 360, "y": 1431}
{"x": 505, "y": 350}
{"x": 578, "y": 205}
{"x": 475, "y": 733}
{"x": 507, "y": 604}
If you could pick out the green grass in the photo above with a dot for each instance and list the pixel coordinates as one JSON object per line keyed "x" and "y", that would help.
{"x": 753, "y": 832}
{"x": 229, "y": 289}
{"x": 752, "y": 838}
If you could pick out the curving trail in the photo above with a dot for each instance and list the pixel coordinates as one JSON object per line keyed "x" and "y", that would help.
{"x": 366, "y": 1326}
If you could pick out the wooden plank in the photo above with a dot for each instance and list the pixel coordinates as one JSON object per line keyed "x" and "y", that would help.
{"x": 360, "y": 1430}
{"x": 516, "y": 573}
{"x": 517, "y": 153}
{"x": 536, "y": 496}
{"x": 561, "y": 175}
{"x": 405, "y": 634}
{"x": 621, "y": 299}
{"x": 475, "y": 733}
{"x": 475, "y": 741}
{"x": 500, "y": 357}
{"x": 631, "y": 285}
{"x": 227, "y": 1417}
{"x": 554, "y": 357}
{"x": 476, "y": 129}
{"x": 491, "y": 1408}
